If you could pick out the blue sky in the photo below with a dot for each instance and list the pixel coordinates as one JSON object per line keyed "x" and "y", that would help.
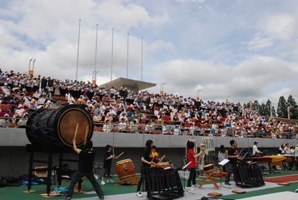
{"x": 237, "y": 49}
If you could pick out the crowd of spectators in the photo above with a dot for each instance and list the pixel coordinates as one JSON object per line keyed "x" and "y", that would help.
{"x": 122, "y": 110}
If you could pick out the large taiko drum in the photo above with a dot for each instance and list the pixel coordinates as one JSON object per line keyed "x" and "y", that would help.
{"x": 125, "y": 169}
{"x": 57, "y": 127}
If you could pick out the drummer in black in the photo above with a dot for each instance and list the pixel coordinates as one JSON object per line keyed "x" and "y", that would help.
{"x": 86, "y": 159}
{"x": 107, "y": 164}
{"x": 147, "y": 162}
{"x": 233, "y": 156}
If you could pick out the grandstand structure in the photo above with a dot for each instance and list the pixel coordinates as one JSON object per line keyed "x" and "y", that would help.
{"x": 130, "y": 84}
{"x": 125, "y": 115}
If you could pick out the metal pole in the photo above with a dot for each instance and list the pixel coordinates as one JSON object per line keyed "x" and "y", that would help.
{"x": 94, "y": 73}
{"x": 33, "y": 64}
{"x": 127, "y": 55}
{"x": 78, "y": 50}
{"x": 198, "y": 94}
{"x": 112, "y": 54}
{"x": 289, "y": 114}
{"x": 95, "y": 61}
{"x": 30, "y": 63}
{"x": 162, "y": 88}
{"x": 142, "y": 61}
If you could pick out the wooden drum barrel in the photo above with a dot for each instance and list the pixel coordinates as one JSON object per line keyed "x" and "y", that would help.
{"x": 125, "y": 169}
{"x": 57, "y": 126}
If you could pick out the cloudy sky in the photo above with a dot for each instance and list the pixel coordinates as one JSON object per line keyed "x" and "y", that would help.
{"x": 236, "y": 49}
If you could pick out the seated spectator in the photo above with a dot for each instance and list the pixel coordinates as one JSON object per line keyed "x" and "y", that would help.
{"x": 18, "y": 114}
{"x": 23, "y": 121}
{"x": 33, "y": 105}
{"x": 97, "y": 118}
{"x": 5, "y": 121}
{"x": 122, "y": 125}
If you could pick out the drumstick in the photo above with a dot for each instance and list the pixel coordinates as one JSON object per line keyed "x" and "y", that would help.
{"x": 86, "y": 134}
{"x": 184, "y": 167}
{"x": 120, "y": 154}
{"x": 244, "y": 155}
{"x": 161, "y": 158}
{"x": 75, "y": 134}
{"x": 240, "y": 152}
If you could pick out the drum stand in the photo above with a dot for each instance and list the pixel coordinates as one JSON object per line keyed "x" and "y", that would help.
{"x": 49, "y": 150}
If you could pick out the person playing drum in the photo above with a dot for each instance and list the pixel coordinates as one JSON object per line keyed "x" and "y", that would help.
{"x": 191, "y": 158}
{"x": 146, "y": 163}
{"x": 107, "y": 164}
{"x": 86, "y": 159}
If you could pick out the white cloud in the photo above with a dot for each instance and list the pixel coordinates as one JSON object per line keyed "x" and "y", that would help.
{"x": 160, "y": 45}
{"x": 258, "y": 42}
{"x": 282, "y": 26}
{"x": 127, "y": 15}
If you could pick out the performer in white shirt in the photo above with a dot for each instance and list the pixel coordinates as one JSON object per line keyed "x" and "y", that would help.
{"x": 255, "y": 150}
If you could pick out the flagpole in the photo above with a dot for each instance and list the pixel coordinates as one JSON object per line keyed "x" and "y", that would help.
{"x": 95, "y": 59}
{"x": 78, "y": 50}
{"x": 142, "y": 61}
{"x": 127, "y": 55}
{"x": 112, "y": 54}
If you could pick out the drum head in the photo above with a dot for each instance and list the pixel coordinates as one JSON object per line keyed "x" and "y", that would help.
{"x": 67, "y": 123}
{"x": 123, "y": 161}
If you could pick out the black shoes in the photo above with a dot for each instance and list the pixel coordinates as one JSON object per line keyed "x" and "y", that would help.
{"x": 227, "y": 183}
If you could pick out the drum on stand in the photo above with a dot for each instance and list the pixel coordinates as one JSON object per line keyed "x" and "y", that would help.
{"x": 248, "y": 175}
{"x": 125, "y": 169}
{"x": 163, "y": 165}
{"x": 57, "y": 126}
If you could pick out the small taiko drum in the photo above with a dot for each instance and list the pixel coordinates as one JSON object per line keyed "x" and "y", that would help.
{"x": 125, "y": 169}
{"x": 208, "y": 168}
{"x": 163, "y": 165}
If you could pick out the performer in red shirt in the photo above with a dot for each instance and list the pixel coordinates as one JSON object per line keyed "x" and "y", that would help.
{"x": 191, "y": 157}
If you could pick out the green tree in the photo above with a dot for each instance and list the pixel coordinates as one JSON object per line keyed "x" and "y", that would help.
{"x": 262, "y": 109}
{"x": 268, "y": 108}
{"x": 282, "y": 107}
{"x": 293, "y": 107}
{"x": 256, "y": 105}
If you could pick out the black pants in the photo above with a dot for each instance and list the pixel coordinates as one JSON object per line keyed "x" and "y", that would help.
{"x": 231, "y": 170}
{"x": 192, "y": 177}
{"x": 142, "y": 179}
{"x": 77, "y": 176}
{"x": 107, "y": 172}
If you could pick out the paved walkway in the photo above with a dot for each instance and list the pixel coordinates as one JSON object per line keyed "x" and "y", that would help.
{"x": 197, "y": 194}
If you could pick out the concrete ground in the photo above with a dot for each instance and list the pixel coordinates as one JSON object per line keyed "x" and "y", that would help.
{"x": 196, "y": 194}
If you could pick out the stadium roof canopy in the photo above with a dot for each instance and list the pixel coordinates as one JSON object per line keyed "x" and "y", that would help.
{"x": 130, "y": 84}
